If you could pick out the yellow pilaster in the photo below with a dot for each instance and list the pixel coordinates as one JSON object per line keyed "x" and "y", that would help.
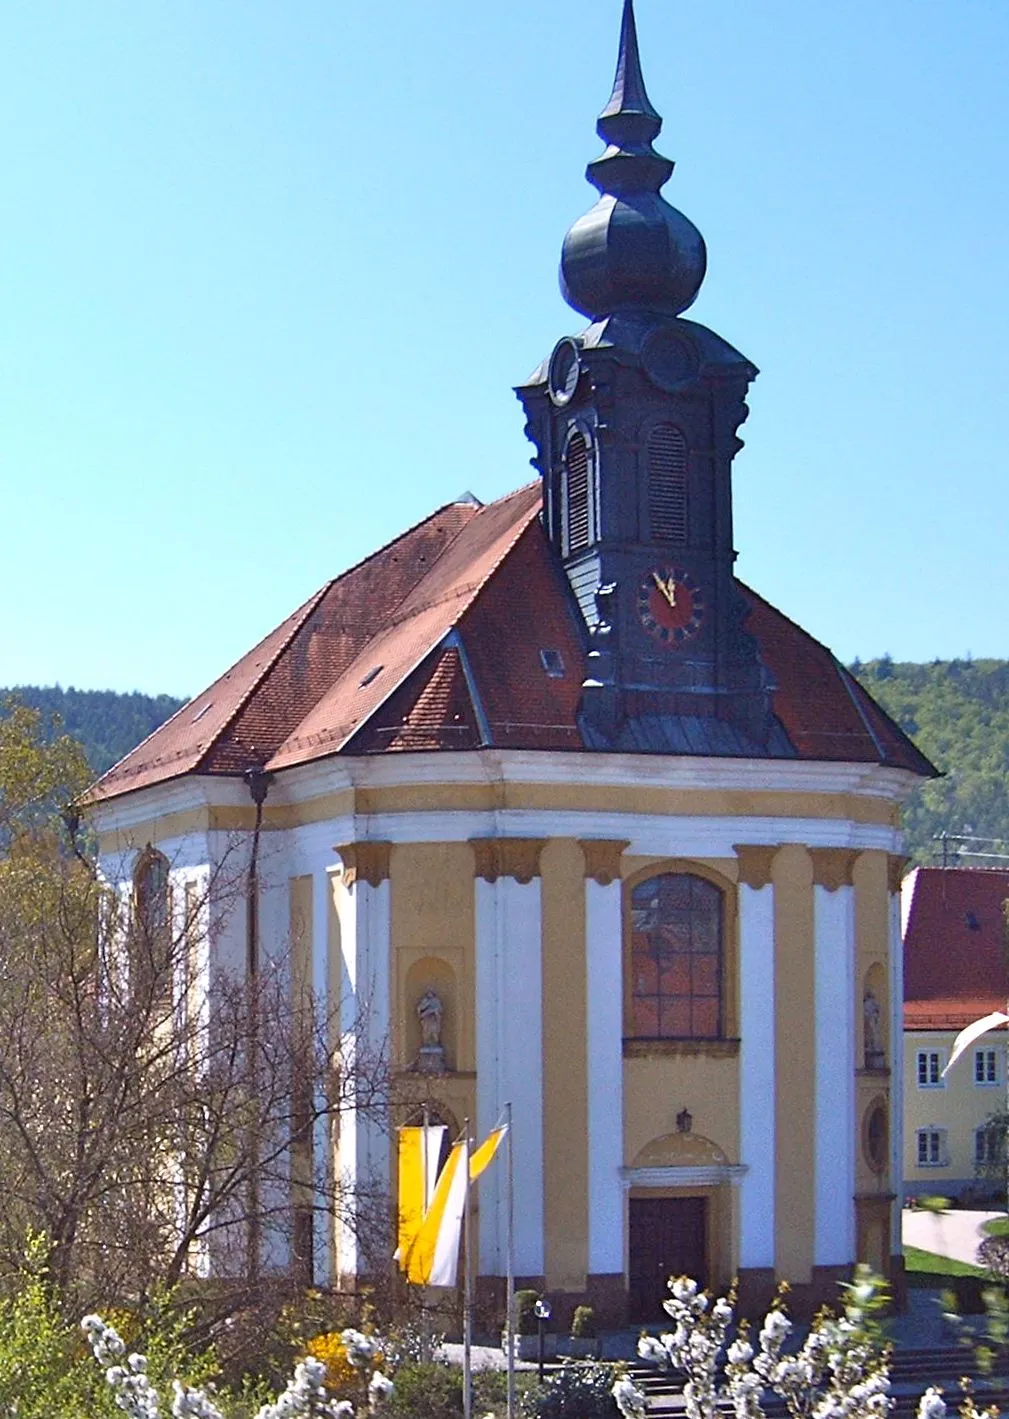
{"x": 565, "y": 1084}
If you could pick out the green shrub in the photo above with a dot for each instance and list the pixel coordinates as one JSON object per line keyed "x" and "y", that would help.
{"x": 583, "y": 1323}
{"x": 426, "y": 1390}
{"x": 574, "y": 1392}
{"x": 524, "y": 1315}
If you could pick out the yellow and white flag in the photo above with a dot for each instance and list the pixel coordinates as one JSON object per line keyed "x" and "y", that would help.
{"x": 419, "y": 1154}
{"x": 485, "y": 1153}
{"x": 974, "y": 1032}
{"x": 434, "y": 1257}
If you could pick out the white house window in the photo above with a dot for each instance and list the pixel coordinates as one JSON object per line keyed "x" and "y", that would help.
{"x": 931, "y": 1148}
{"x": 986, "y": 1146}
{"x": 929, "y": 1069}
{"x": 985, "y": 1067}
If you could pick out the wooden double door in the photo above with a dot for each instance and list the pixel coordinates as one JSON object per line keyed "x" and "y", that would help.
{"x": 667, "y": 1236}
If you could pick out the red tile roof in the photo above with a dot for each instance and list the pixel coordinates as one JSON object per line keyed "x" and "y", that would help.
{"x": 955, "y": 956}
{"x": 435, "y": 642}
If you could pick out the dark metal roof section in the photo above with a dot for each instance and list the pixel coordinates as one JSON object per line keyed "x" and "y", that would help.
{"x": 632, "y": 251}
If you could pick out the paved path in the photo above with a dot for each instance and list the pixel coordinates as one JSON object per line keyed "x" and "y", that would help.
{"x": 956, "y": 1234}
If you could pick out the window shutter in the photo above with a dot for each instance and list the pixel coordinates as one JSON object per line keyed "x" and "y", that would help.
{"x": 579, "y": 518}
{"x": 667, "y": 484}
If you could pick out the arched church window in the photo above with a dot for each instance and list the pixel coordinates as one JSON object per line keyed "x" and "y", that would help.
{"x": 578, "y": 520}
{"x": 150, "y": 963}
{"x": 676, "y": 958}
{"x": 667, "y": 484}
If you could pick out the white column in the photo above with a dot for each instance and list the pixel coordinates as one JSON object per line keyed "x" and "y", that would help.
{"x": 756, "y": 1076}
{"x": 323, "y": 1261}
{"x": 509, "y": 1062}
{"x": 896, "y": 1063}
{"x": 363, "y": 911}
{"x": 605, "y": 1056}
{"x": 834, "y": 926}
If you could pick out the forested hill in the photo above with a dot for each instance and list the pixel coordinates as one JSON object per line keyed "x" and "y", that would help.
{"x": 957, "y": 712}
{"x": 107, "y": 724}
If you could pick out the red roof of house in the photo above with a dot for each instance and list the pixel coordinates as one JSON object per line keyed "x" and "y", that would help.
{"x": 435, "y": 643}
{"x": 955, "y": 956}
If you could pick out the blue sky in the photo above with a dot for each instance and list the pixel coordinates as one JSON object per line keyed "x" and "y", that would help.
{"x": 269, "y": 272}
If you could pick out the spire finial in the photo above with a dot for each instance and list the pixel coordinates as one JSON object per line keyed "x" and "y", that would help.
{"x": 628, "y": 125}
{"x": 629, "y": 95}
{"x": 632, "y": 251}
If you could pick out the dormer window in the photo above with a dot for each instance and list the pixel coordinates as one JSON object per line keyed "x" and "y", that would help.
{"x": 579, "y": 522}
{"x": 667, "y": 484}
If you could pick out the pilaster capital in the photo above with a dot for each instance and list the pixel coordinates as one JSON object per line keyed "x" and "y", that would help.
{"x": 602, "y": 858}
{"x": 833, "y": 867}
{"x": 754, "y": 863}
{"x": 896, "y": 865}
{"x": 365, "y": 862}
{"x": 507, "y": 857}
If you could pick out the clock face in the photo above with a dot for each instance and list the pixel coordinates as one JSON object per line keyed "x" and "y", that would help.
{"x": 671, "y": 605}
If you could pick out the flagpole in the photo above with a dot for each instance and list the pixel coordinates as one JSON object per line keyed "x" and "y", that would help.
{"x": 510, "y": 1263}
{"x": 467, "y": 1290}
{"x": 425, "y": 1310}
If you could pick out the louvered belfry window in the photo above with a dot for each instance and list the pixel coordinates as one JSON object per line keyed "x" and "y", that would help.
{"x": 667, "y": 484}
{"x": 577, "y": 493}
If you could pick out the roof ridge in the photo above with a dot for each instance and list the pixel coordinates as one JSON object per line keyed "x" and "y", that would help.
{"x": 342, "y": 734}
{"x": 298, "y": 618}
{"x": 477, "y": 587}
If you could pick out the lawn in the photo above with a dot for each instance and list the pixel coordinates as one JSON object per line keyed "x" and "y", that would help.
{"x": 916, "y": 1260}
{"x": 997, "y": 1227}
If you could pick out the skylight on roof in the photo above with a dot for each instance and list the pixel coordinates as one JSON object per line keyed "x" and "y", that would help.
{"x": 372, "y": 674}
{"x": 553, "y": 663}
{"x": 202, "y": 711}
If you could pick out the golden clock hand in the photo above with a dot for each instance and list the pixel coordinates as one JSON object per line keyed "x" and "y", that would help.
{"x": 668, "y": 589}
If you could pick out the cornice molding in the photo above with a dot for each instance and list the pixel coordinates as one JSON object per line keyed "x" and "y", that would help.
{"x": 755, "y": 864}
{"x": 507, "y": 857}
{"x": 602, "y": 858}
{"x": 833, "y": 867}
{"x": 896, "y": 865}
{"x": 365, "y": 862}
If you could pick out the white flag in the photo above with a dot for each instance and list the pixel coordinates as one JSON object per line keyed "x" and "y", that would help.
{"x": 973, "y": 1032}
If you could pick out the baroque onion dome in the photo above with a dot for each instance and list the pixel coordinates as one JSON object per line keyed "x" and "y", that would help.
{"x": 632, "y": 251}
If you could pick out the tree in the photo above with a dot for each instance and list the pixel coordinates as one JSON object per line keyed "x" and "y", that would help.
{"x": 145, "y": 1122}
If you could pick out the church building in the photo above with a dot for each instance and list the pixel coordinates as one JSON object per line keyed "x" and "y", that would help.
{"x": 625, "y": 833}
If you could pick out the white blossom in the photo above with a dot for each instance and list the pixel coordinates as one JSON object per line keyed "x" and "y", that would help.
{"x": 628, "y": 1398}
{"x": 380, "y": 1388}
{"x": 932, "y": 1405}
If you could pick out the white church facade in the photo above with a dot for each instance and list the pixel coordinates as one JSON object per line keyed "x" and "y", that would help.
{"x": 549, "y": 762}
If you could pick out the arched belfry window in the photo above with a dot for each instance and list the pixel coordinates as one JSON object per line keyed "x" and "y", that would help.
{"x": 578, "y": 500}
{"x": 676, "y": 960}
{"x": 667, "y": 484}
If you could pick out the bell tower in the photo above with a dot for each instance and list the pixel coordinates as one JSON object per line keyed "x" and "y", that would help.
{"x": 634, "y": 423}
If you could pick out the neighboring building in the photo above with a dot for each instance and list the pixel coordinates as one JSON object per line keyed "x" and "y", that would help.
{"x": 547, "y": 761}
{"x": 956, "y": 948}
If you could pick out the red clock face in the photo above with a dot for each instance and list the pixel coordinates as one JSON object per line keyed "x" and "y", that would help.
{"x": 671, "y": 605}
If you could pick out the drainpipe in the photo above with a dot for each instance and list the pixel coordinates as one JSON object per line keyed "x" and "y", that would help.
{"x": 258, "y": 782}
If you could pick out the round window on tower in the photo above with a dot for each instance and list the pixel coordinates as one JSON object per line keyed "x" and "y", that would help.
{"x": 564, "y": 372}
{"x": 669, "y": 358}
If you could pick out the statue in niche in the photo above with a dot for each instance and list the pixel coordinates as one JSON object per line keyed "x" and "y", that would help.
{"x": 872, "y": 1035}
{"x": 431, "y": 1059}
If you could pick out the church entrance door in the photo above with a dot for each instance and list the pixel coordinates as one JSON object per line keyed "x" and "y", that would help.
{"x": 668, "y": 1236}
